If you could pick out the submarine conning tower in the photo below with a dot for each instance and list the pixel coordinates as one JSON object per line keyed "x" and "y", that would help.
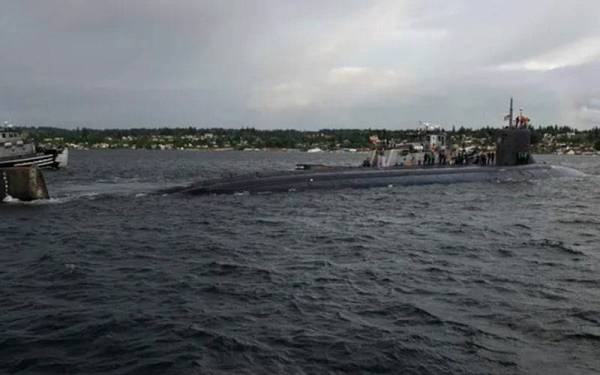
{"x": 513, "y": 147}
{"x": 513, "y": 142}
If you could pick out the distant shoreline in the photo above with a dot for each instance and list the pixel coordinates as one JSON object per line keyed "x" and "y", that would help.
{"x": 283, "y": 150}
{"x": 544, "y": 140}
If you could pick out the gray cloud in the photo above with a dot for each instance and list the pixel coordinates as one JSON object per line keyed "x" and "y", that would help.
{"x": 293, "y": 64}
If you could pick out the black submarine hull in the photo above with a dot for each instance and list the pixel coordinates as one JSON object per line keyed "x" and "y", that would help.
{"x": 343, "y": 178}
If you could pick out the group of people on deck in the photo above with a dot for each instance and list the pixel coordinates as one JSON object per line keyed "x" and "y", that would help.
{"x": 460, "y": 157}
{"x": 485, "y": 158}
{"x": 434, "y": 158}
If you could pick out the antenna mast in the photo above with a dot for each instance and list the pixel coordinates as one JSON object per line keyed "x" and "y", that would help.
{"x": 510, "y": 120}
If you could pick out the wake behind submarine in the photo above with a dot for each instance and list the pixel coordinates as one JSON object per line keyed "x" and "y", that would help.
{"x": 513, "y": 163}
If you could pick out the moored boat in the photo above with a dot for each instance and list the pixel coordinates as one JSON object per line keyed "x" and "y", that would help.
{"x": 15, "y": 151}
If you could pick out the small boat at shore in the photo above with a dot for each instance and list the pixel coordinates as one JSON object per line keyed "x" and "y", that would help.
{"x": 16, "y": 152}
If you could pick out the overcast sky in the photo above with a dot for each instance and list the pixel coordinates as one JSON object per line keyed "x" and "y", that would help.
{"x": 298, "y": 64}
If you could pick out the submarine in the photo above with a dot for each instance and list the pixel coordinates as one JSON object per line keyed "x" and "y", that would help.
{"x": 513, "y": 162}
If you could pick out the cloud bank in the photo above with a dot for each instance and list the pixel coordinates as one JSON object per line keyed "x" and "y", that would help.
{"x": 304, "y": 65}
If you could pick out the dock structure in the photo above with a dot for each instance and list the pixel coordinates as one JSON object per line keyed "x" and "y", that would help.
{"x": 22, "y": 183}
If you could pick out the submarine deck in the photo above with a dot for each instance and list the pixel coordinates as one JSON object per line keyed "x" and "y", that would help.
{"x": 362, "y": 177}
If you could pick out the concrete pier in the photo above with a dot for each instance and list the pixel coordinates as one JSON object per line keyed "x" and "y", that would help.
{"x": 23, "y": 183}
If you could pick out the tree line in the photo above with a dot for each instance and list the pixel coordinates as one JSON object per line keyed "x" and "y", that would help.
{"x": 289, "y": 138}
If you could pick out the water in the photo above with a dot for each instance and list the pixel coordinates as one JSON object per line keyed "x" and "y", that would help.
{"x": 107, "y": 277}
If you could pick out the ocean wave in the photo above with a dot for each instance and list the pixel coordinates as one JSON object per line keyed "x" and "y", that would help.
{"x": 473, "y": 278}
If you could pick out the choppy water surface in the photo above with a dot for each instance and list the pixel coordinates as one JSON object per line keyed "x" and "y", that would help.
{"x": 466, "y": 278}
